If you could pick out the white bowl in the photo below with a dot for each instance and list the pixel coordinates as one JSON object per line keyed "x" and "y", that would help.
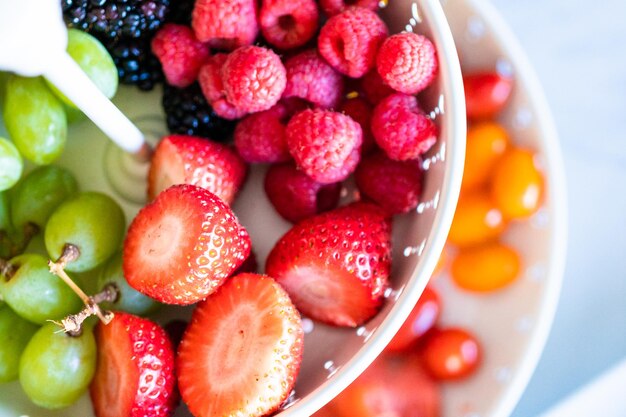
{"x": 333, "y": 357}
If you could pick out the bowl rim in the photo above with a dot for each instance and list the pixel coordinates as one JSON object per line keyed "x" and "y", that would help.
{"x": 554, "y": 170}
{"x": 455, "y": 124}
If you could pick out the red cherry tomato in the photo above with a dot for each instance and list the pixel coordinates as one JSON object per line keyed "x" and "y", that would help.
{"x": 421, "y": 319}
{"x": 486, "y": 93}
{"x": 451, "y": 353}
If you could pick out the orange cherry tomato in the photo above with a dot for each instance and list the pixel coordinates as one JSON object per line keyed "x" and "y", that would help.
{"x": 517, "y": 186}
{"x": 486, "y": 93}
{"x": 391, "y": 386}
{"x": 486, "y": 143}
{"x": 451, "y": 353}
{"x": 486, "y": 267}
{"x": 421, "y": 319}
{"x": 476, "y": 220}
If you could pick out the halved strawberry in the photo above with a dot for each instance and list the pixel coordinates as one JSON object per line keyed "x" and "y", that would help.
{"x": 335, "y": 266}
{"x": 135, "y": 371}
{"x": 391, "y": 386}
{"x": 183, "y": 245}
{"x": 182, "y": 159}
{"x": 242, "y": 350}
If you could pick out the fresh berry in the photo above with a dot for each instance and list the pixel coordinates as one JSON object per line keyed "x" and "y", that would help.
{"x": 135, "y": 371}
{"x": 335, "y": 266}
{"x": 360, "y": 111}
{"x": 312, "y": 79}
{"x": 250, "y": 265}
{"x": 296, "y": 196}
{"x": 407, "y": 62}
{"x": 408, "y": 391}
{"x": 180, "y": 54}
{"x": 349, "y": 41}
{"x": 401, "y": 128}
{"x": 225, "y": 25}
{"x": 260, "y": 137}
{"x": 188, "y": 113}
{"x": 420, "y": 320}
{"x": 451, "y": 353}
{"x": 242, "y": 350}
{"x": 254, "y": 78}
{"x": 333, "y": 7}
{"x": 326, "y": 145}
{"x": 210, "y": 79}
{"x": 182, "y": 246}
{"x": 486, "y": 94}
{"x": 116, "y": 19}
{"x": 374, "y": 88}
{"x": 394, "y": 185}
{"x": 135, "y": 62}
{"x": 180, "y": 159}
{"x": 288, "y": 24}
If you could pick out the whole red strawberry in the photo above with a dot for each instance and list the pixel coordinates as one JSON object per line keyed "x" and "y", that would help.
{"x": 335, "y": 266}
{"x": 135, "y": 371}
{"x": 181, "y": 159}
{"x": 242, "y": 350}
{"x": 182, "y": 246}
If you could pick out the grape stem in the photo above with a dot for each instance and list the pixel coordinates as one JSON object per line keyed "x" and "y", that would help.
{"x": 71, "y": 253}
{"x": 7, "y": 269}
{"x": 72, "y": 324}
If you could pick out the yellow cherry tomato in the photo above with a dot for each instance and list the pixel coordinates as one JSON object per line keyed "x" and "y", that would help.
{"x": 486, "y": 267}
{"x": 517, "y": 185}
{"x": 486, "y": 143}
{"x": 476, "y": 220}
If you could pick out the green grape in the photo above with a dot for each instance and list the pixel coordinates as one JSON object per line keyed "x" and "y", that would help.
{"x": 39, "y": 193}
{"x": 128, "y": 299}
{"x": 91, "y": 221}
{"x": 6, "y": 226}
{"x": 36, "y": 294}
{"x": 93, "y": 58}
{"x": 35, "y": 119}
{"x": 55, "y": 368}
{"x": 11, "y": 164}
{"x": 15, "y": 332}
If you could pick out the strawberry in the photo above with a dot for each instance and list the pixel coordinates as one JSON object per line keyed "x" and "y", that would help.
{"x": 241, "y": 351}
{"x": 181, "y": 159}
{"x": 183, "y": 245}
{"x": 335, "y": 266}
{"x": 135, "y": 371}
{"x": 409, "y": 391}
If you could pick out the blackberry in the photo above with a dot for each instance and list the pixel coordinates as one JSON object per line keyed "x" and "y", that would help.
{"x": 135, "y": 62}
{"x": 187, "y": 112}
{"x": 115, "y": 19}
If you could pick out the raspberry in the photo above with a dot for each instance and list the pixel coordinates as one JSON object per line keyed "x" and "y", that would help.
{"x": 225, "y": 24}
{"x": 401, "y": 128}
{"x": 396, "y": 186}
{"x": 180, "y": 54}
{"x": 350, "y": 40}
{"x": 333, "y": 7}
{"x": 288, "y": 24}
{"x": 260, "y": 137}
{"x": 296, "y": 196}
{"x": 361, "y": 112}
{"x": 326, "y": 145}
{"x": 374, "y": 88}
{"x": 254, "y": 78}
{"x": 407, "y": 62}
{"x": 311, "y": 78}
{"x": 210, "y": 80}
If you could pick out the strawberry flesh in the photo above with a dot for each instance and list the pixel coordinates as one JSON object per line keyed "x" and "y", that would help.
{"x": 183, "y": 245}
{"x": 242, "y": 350}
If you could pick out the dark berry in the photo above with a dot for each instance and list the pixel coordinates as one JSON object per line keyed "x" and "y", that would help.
{"x": 187, "y": 112}
{"x": 136, "y": 64}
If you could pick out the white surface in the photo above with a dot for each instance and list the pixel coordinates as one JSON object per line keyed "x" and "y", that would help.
{"x": 577, "y": 50}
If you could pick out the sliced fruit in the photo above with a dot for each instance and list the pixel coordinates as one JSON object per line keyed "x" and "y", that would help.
{"x": 335, "y": 266}
{"x": 241, "y": 353}
{"x": 183, "y": 245}
{"x": 135, "y": 371}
